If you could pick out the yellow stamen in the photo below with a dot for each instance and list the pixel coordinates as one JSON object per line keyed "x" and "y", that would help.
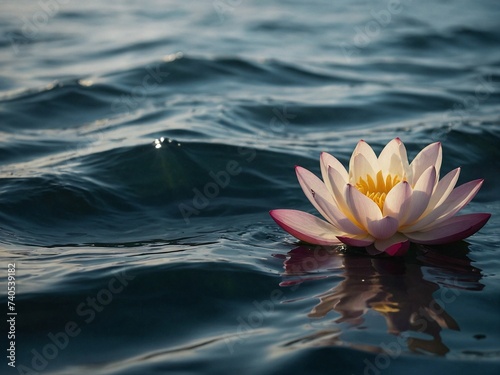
{"x": 377, "y": 189}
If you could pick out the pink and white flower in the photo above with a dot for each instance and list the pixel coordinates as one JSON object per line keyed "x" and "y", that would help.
{"x": 383, "y": 203}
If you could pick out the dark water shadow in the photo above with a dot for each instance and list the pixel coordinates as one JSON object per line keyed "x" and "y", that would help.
{"x": 411, "y": 293}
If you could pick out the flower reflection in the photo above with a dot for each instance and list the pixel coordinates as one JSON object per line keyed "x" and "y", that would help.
{"x": 411, "y": 294}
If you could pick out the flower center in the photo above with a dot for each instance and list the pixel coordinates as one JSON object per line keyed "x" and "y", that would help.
{"x": 378, "y": 188}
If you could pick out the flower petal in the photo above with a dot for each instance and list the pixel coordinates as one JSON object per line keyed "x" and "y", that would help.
{"x": 421, "y": 195}
{"x": 451, "y": 230}
{"x": 364, "y": 149}
{"x": 397, "y": 202}
{"x": 431, "y": 155}
{"x": 336, "y": 217}
{"x": 383, "y": 228}
{"x": 458, "y": 198}
{"x": 306, "y": 227}
{"x": 362, "y": 208}
{"x": 394, "y": 246}
{"x": 309, "y": 184}
{"x": 327, "y": 161}
{"x": 393, "y": 158}
{"x": 357, "y": 241}
{"x": 362, "y": 168}
{"x": 338, "y": 185}
{"x": 443, "y": 189}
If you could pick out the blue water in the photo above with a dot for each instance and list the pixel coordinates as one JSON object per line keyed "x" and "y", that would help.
{"x": 142, "y": 145}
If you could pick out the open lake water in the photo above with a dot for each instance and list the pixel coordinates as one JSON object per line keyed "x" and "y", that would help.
{"x": 142, "y": 144}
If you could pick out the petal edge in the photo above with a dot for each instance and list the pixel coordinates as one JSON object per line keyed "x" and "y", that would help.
{"x": 306, "y": 227}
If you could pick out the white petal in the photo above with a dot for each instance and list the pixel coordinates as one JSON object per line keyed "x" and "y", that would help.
{"x": 443, "y": 190}
{"x": 430, "y": 156}
{"x": 362, "y": 208}
{"x": 397, "y": 202}
{"x": 362, "y": 168}
{"x": 393, "y": 159}
{"x": 309, "y": 184}
{"x": 421, "y": 195}
{"x": 458, "y": 198}
{"x": 337, "y": 218}
{"x": 327, "y": 161}
{"x": 383, "y": 228}
{"x": 338, "y": 184}
{"x": 364, "y": 149}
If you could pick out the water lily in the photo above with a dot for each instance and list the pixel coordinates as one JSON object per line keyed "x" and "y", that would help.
{"x": 383, "y": 203}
